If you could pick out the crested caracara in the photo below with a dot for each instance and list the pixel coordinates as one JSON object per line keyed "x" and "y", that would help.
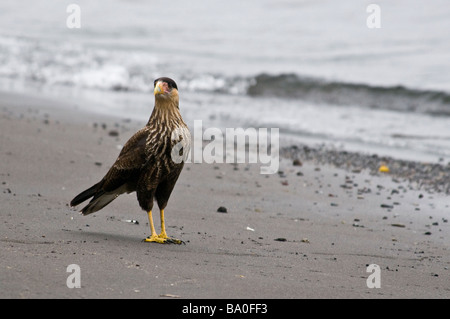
{"x": 149, "y": 163}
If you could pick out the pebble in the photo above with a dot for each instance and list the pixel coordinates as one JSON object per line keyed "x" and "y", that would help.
{"x": 113, "y": 133}
{"x": 430, "y": 176}
{"x": 297, "y": 162}
{"x": 222, "y": 209}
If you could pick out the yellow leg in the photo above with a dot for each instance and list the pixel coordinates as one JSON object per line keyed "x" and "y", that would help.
{"x": 161, "y": 238}
{"x": 163, "y": 226}
{"x": 152, "y": 226}
{"x": 153, "y": 237}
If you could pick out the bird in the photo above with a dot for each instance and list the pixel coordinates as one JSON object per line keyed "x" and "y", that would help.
{"x": 149, "y": 163}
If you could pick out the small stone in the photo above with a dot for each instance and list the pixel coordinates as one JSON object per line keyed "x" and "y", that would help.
{"x": 222, "y": 209}
{"x": 297, "y": 162}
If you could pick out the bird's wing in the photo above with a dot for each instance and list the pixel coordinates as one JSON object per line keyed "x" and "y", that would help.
{"x": 128, "y": 163}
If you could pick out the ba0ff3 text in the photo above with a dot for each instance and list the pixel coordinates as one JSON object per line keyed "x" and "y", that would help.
{"x": 247, "y": 308}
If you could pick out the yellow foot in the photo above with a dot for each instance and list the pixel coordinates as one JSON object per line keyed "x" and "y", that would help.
{"x": 163, "y": 239}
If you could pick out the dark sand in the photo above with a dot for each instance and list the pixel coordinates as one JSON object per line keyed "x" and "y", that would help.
{"x": 330, "y": 232}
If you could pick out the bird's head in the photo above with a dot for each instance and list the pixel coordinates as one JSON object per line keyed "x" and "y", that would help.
{"x": 165, "y": 89}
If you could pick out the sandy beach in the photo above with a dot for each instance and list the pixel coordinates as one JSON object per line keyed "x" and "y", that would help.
{"x": 309, "y": 231}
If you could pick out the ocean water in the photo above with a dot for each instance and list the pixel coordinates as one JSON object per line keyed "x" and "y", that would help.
{"x": 311, "y": 68}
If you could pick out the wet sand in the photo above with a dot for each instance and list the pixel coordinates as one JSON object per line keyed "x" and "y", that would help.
{"x": 309, "y": 231}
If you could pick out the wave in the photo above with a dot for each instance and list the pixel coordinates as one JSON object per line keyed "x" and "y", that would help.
{"x": 76, "y": 65}
{"x": 320, "y": 91}
{"x": 121, "y": 70}
{"x": 397, "y": 98}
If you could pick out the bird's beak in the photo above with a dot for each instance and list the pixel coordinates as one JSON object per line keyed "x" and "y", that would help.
{"x": 158, "y": 89}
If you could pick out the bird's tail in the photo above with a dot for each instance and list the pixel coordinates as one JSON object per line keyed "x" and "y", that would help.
{"x": 85, "y": 195}
{"x": 100, "y": 199}
{"x": 98, "y": 202}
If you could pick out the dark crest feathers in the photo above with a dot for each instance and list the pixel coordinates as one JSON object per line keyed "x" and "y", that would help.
{"x": 169, "y": 81}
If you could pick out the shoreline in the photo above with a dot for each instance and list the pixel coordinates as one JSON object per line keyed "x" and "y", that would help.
{"x": 295, "y": 234}
{"x": 430, "y": 177}
{"x": 117, "y": 103}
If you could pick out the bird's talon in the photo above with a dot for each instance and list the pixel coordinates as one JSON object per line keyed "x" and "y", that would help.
{"x": 159, "y": 240}
{"x": 154, "y": 239}
{"x": 175, "y": 241}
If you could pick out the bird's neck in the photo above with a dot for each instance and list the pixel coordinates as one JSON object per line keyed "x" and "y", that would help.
{"x": 166, "y": 112}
